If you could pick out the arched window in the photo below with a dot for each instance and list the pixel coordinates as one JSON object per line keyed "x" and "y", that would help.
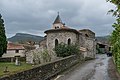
{"x": 56, "y": 42}
{"x": 86, "y": 35}
{"x": 69, "y": 41}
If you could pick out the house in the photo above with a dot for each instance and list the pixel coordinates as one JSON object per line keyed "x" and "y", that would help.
{"x": 14, "y": 50}
{"x": 103, "y": 48}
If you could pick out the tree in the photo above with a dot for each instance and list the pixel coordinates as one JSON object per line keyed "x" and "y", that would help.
{"x": 115, "y": 36}
{"x": 3, "y": 41}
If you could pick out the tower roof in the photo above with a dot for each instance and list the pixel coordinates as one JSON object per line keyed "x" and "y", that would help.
{"x": 58, "y": 19}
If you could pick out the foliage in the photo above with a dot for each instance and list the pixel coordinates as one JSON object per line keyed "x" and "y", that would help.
{"x": 98, "y": 49}
{"x": 41, "y": 57}
{"x": 115, "y": 36}
{"x": 115, "y": 12}
{"x": 36, "y": 57}
{"x": 3, "y": 41}
{"x": 63, "y": 50}
{"x": 46, "y": 57}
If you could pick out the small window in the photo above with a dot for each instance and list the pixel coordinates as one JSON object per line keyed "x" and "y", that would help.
{"x": 56, "y": 42}
{"x": 55, "y": 27}
{"x": 69, "y": 41}
{"x": 86, "y": 35}
{"x": 16, "y": 51}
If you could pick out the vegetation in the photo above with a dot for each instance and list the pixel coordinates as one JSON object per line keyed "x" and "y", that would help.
{"x": 3, "y": 41}
{"x": 63, "y": 50}
{"x": 98, "y": 49}
{"x": 115, "y": 37}
{"x": 12, "y": 68}
{"x": 46, "y": 57}
{"x": 41, "y": 57}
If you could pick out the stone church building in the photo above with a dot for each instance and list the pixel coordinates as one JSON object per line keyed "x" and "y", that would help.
{"x": 60, "y": 33}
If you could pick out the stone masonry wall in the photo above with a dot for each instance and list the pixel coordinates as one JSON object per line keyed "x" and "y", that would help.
{"x": 44, "y": 72}
{"x": 61, "y": 36}
{"x": 90, "y": 46}
{"x": 11, "y": 59}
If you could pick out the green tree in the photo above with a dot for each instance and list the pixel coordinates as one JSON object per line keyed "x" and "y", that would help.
{"x": 63, "y": 50}
{"x": 115, "y": 36}
{"x": 3, "y": 41}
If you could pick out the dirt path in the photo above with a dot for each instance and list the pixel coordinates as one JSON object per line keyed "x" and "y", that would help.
{"x": 97, "y": 69}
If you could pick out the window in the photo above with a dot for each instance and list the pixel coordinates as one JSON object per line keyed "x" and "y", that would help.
{"x": 56, "y": 42}
{"x": 56, "y": 27}
{"x": 69, "y": 41}
{"x": 16, "y": 51}
{"x": 86, "y": 35}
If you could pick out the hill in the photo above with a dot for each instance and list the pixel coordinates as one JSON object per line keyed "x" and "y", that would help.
{"x": 104, "y": 39}
{"x": 23, "y": 37}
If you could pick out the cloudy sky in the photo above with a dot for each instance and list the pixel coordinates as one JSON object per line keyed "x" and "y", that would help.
{"x": 36, "y": 16}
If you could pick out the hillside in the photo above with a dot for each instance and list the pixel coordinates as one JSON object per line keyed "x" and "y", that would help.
{"x": 23, "y": 37}
{"x": 104, "y": 39}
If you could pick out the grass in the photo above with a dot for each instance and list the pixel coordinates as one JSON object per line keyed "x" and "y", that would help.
{"x": 12, "y": 68}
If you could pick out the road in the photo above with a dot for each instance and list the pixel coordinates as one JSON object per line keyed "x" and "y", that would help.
{"x": 90, "y": 70}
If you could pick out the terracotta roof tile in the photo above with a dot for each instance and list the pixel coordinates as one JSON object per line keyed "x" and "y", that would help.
{"x": 14, "y": 46}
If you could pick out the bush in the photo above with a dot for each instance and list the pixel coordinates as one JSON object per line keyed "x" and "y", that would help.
{"x": 63, "y": 50}
{"x": 46, "y": 56}
{"x": 40, "y": 57}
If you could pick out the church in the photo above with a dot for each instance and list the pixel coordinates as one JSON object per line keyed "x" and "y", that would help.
{"x": 60, "y": 33}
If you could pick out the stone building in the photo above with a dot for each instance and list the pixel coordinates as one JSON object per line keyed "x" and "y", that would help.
{"x": 62, "y": 33}
{"x": 102, "y": 48}
{"x": 14, "y": 50}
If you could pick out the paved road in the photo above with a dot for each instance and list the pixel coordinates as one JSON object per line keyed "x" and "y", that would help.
{"x": 90, "y": 70}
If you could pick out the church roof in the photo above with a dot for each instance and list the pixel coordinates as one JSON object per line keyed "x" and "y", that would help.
{"x": 58, "y": 19}
{"x": 83, "y": 30}
{"x": 62, "y": 29}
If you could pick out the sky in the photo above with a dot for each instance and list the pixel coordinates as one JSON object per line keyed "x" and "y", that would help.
{"x": 36, "y": 16}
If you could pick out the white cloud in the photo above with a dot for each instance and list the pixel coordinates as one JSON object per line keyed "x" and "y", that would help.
{"x": 38, "y": 15}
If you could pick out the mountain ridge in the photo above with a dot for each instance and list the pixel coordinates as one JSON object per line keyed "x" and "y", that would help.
{"x": 23, "y": 37}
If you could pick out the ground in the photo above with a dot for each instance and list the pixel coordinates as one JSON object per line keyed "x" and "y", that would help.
{"x": 102, "y": 68}
{"x": 12, "y": 68}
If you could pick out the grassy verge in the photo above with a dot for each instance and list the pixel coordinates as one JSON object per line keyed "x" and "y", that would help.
{"x": 12, "y": 68}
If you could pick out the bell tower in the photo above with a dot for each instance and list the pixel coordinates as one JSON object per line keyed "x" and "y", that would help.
{"x": 57, "y": 23}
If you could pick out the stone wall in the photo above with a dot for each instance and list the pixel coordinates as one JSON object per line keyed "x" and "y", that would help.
{"x": 44, "y": 72}
{"x": 11, "y": 53}
{"x": 88, "y": 33}
{"x": 89, "y": 44}
{"x": 11, "y": 59}
{"x": 38, "y": 56}
{"x": 61, "y": 36}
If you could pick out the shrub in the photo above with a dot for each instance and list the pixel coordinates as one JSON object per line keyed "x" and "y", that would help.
{"x": 46, "y": 56}
{"x": 40, "y": 57}
{"x": 63, "y": 50}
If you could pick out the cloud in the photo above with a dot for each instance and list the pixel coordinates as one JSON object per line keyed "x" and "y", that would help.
{"x": 36, "y": 16}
